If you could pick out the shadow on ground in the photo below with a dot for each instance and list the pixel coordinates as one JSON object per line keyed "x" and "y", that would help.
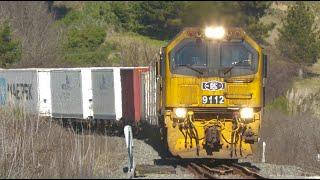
{"x": 148, "y": 133}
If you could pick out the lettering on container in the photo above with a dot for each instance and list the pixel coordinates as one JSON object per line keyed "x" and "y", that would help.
{"x": 20, "y": 90}
{"x": 66, "y": 85}
{"x": 104, "y": 84}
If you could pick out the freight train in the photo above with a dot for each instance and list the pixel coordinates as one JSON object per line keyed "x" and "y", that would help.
{"x": 210, "y": 93}
{"x": 205, "y": 92}
{"x": 95, "y": 94}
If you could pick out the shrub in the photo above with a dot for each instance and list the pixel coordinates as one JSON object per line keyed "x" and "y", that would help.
{"x": 10, "y": 50}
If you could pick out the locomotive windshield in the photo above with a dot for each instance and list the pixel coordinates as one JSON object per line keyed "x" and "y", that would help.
{"x": 196, "y": 56}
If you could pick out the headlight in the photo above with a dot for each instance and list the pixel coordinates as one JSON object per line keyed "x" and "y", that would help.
{"x": 246, "y": 113}
{"x": 180, "y": 112}
{"x": 214, "y": 33}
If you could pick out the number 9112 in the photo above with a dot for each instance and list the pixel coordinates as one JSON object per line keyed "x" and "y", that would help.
{"x": 212, "y": 99}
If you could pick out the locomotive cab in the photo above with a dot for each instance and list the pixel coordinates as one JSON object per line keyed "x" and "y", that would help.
{"x": 210, "y": 93}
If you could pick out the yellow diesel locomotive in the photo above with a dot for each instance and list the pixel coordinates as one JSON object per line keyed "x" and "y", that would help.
{"x": 210, "y": 93}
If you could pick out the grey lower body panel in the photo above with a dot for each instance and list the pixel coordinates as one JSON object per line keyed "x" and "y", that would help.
{"x": 105, "y": 116}
{"x": 58, "y": 115}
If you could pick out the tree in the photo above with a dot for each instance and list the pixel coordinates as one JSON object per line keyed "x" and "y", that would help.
{"x": 254, "y": 9}
{"x": 251, "y": 12}
{"x": 124, "y": 12}
{"x": 159, "y": 19}
{"x": 163, "y": 20}
{"x": 298, "y": 39}
{"x": 10, "y": 50}
{"x": 86, "y": 46}
{"x": 33, "y": 26}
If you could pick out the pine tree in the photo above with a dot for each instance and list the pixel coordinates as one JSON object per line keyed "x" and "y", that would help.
{"x": 298, "y": 39}
{"x": 159, "y": 19}
{"x": 10, "y": 50}
{"x": 251, "y": 12}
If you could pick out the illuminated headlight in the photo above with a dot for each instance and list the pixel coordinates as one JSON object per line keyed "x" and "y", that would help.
{"x": 180, "y": 112}
{"x": 214, "y": 32}
{"x": 246, "y": 113}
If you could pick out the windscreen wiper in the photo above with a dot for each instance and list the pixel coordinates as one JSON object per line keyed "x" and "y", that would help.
{"x": 192, "y": 68}
{"x": 235, "y": 64}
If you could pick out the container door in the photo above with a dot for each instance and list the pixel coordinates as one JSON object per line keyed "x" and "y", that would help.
{"x": 66, "y": 90}
{"x": 127, "y": 95}
{"x": 137, "y": 94}
{"x": 19, "y": 88}
{"x": 104, "y": 93}
{"x": 44, "y": 93}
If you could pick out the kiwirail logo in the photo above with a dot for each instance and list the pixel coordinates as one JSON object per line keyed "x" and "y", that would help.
{"x": 213, "y": 85}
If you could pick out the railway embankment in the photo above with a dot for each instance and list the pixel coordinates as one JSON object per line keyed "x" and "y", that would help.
{"x": 291, "y": 125}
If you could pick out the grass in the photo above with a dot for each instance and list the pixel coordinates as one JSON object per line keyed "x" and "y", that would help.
{"x": 33, "y": 147}
{"x": 292, "y": 139}
{"x": 308, "y": 85}
{"x": 304, "y": 96}
{"x": 134, "y": 49}
{"x": 280, "y": 104}
{"x": 137, "y": 37}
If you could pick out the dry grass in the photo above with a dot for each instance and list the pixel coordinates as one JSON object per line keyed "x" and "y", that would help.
{"x": 281, "y": 72}
{"x": 135, "y": 50}
{"x": 33, "y": 147}
{"x": 292, "y": 139}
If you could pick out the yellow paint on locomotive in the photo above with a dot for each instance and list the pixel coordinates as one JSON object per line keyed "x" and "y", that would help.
{"x": 186, "y": 137}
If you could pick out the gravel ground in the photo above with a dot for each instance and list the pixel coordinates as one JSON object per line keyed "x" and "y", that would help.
{"x": 143, "y": 154}
{"x": 111, "y": 165}
{"x": 283, "y": 171}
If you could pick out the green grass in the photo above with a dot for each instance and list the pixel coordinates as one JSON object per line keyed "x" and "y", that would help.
{"x": 280, "y": 104}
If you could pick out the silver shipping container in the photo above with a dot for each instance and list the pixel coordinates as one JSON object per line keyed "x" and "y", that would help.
{"x": 151, "y": 89}
{"x": 106, "y": 89}
{"x": 86, "y": 93}
{"x": 66, "y": 92}
{"x": 149, "y": 96}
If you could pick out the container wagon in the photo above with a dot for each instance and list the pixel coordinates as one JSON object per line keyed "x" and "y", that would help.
{"x": 95, "y": 93}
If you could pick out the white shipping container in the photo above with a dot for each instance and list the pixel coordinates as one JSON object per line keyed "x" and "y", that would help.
{"x": 44, "y": 87}
{"x": 26, "y": 89}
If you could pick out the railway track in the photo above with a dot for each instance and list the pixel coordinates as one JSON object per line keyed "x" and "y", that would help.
{"x": 204, "y": 169}
{"x": 220, "y": 171}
